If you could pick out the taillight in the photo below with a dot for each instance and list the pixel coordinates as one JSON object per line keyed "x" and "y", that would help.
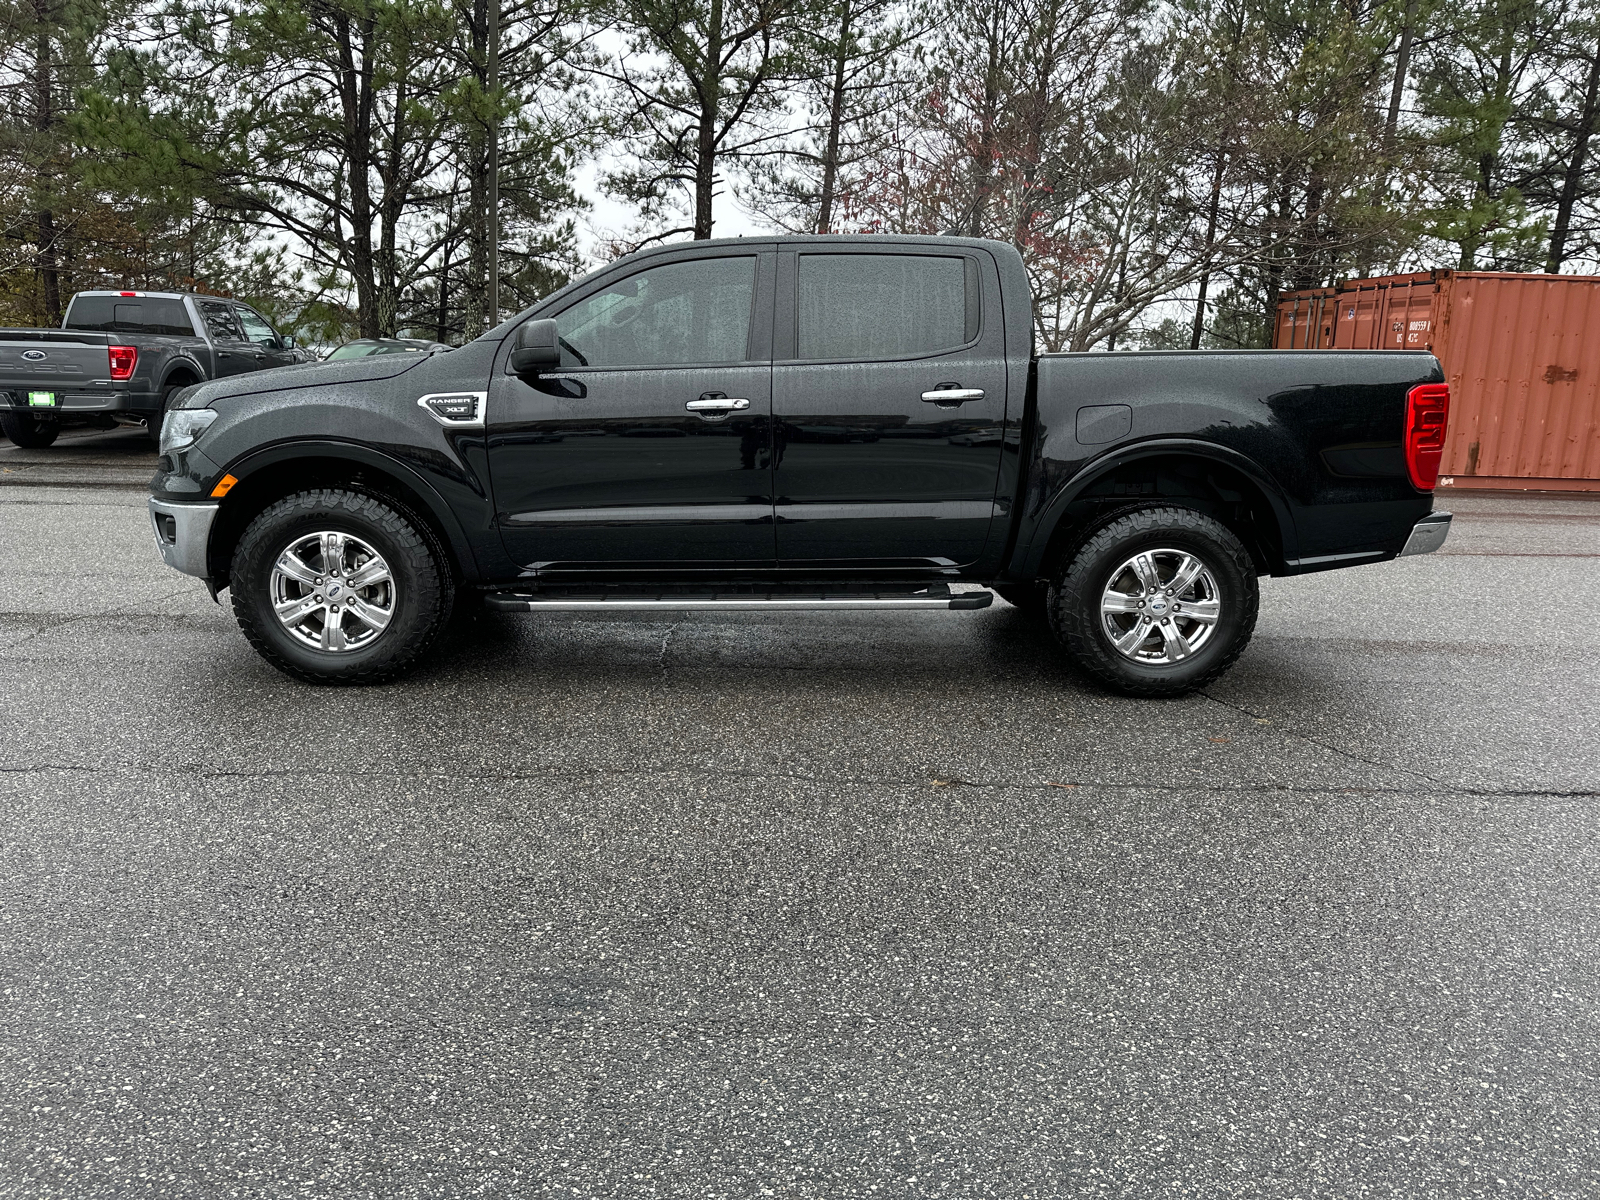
{"x": 1427, "y": 413}
{"x": 122, "y": 360}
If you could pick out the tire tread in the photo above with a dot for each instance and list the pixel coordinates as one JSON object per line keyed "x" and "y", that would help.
{"x": 432, "y": 593}
{"x": 1068, "y": 595}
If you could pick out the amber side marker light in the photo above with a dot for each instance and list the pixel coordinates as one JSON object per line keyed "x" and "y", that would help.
{"x": 224, "y": 485}
{"x": 1427, "y": 416}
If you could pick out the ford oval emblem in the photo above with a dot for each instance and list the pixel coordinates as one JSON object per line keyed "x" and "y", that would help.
{"x": 34, "y": 355}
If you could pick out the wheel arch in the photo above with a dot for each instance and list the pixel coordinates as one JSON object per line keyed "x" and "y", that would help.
{"x": 270, "y": 474}
{"x": 1213, "y": 479}
{"x": 181, "y": 366}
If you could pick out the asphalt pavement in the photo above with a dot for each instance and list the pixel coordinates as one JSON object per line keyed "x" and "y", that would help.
{"x": 812, "y": 905}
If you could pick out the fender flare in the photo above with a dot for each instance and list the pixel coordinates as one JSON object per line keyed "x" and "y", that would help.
{"x": 333, "y": 449}
{"x": 181, "y": 363}
{"x": 1031, "y": 558}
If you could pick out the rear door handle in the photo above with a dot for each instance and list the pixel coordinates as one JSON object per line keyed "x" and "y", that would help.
{"x": 717, "y": 404}
{"x": 946, "y": 395}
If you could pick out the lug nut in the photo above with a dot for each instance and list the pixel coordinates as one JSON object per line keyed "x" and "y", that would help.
{"x": 319, "y": 579}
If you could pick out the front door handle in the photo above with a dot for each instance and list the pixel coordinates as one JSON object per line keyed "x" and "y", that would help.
{"x": 717, "y": 405}
{"x": 948, "y": 395}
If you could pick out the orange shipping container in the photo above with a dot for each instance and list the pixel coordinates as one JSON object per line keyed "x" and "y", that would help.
{"x": 1521, "y": 353}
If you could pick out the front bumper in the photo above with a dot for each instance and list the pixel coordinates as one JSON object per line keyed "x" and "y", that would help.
{"x": 183, "y": 534}
{"x": 1428, "y": 534}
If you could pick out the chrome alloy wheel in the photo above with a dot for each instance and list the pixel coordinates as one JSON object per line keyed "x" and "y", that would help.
{"x": 1161, "y": 606}
{"x": 332, "y": 591}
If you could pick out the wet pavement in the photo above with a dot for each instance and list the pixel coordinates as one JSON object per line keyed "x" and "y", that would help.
{"x": 823, "y": 905}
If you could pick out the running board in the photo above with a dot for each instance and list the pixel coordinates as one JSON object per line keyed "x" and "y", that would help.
{"x": 733, "y": 601}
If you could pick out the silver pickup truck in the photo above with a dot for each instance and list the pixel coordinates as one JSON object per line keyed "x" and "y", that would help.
{"x": 119, "y": 356}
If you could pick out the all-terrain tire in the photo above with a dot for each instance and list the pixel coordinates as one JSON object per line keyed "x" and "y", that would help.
{"x": 28, "y": 431}
{"x": 1080, "y": 621}
{"x": 420, "y": 602}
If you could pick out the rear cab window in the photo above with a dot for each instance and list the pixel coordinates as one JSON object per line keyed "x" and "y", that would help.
{"x": 870, "y": 307}
{"x": 130, "y": 314}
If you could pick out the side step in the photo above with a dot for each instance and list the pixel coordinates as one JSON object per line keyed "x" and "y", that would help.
{"x": 626, "y": 599}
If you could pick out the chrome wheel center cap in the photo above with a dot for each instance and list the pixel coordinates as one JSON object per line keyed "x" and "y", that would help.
{"x": 1158, "y": 605}
{"x": 335, "y": 590}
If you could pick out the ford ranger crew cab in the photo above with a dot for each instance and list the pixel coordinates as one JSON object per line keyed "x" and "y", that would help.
{"x": 808, "y": 423}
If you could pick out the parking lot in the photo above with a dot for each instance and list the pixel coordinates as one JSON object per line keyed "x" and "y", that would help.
{"x": 825, "y": 906}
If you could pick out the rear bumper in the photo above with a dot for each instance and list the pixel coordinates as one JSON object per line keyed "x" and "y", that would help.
{"x": 78, "y": 400}
{"x": 1428, "y": 534}
{"x": 183, "y": 533}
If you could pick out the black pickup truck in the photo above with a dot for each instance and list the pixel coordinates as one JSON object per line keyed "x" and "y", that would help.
{"x": 816, "y": 423}
{"x": 119, "y": 356}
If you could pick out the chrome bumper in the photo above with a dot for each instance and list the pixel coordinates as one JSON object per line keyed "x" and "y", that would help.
{"x": 1428, "y": 534}
{"x": 183, "y": 531}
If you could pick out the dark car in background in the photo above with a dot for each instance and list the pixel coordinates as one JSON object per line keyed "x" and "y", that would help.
{"x": 367, "y": 347}
{"x": 119, "y": 356}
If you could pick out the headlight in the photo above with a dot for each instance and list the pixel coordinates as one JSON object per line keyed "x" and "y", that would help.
{"x": 183, "y": 426}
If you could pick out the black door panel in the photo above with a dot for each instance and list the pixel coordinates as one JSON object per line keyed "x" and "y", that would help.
{"x": 603, "y": 465}
{"x": 627, "y": 475}
{"x": 867, "y": 472}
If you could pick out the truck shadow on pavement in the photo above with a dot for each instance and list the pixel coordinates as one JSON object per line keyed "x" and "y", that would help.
{"x": 961, "y": 649}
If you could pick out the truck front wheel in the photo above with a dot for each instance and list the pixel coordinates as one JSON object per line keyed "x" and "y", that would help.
{"x": 1158, "y": 602}
{"x": 333, "y": 586}
{"x": 29, "y": 431}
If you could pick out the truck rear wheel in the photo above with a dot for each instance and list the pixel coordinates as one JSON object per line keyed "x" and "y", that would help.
{"x": 1158, "y": 602}
{"x": 28, "y": 431}
{"x": 332, "y": 586}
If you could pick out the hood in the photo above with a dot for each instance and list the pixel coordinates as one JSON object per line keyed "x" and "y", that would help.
{"x": 282, "y": 379}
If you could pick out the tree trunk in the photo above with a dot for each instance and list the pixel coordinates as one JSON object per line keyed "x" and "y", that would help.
{"x": 1274, "y": 276}
{"x": 1489, "y": 160}
{"x": 48, "y": 257}
{"x": 983, "y": 152}
{"x": 475, "y": 299}
{"x": 830, "y": 153}
{"x": 1211, "y": 241}
{"x": 392, "y": 207}
{"x": 1402, "y": 62}
{"x": 491, "y": 219}
{"x": 441, "y": 325}
{"x": 355, "y": 95}
{"x": 1574, "y": 172}
{"x": 705, "y": 158}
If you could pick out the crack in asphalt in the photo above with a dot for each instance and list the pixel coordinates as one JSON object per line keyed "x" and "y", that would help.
{"x": 666, "y": 641}
{"x": 205, "y": 773}
{"x": 1320, "y": 744}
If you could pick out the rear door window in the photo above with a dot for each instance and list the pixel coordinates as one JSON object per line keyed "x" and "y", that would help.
{"x": 130, "y": 314}
{"x": 863, "y": 307}
{"x": 220, "y": 321}
{"x": 678, "y": 314}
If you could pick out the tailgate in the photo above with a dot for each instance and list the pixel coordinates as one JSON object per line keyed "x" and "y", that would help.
{"x": 55, "y": 360}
